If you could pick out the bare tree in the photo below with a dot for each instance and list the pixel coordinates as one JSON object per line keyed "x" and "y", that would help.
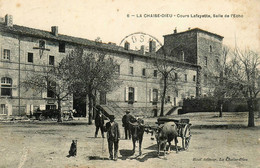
{"x": 92, "y": 71}
{"x": 51, "y": 80}
{"x": 168, "y": 68}
{"x": 243, "y": 78}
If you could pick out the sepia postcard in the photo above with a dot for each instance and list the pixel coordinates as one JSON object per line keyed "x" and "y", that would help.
{"x": 128, "y": 83}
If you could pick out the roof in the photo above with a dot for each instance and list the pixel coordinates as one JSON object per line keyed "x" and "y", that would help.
{"x": 31, "y": 32}
{"x": 26, "y": 31}
{"x": 197, "y": 30}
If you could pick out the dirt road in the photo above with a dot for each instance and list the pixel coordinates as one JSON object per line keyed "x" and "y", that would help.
{"x": 215, "y": 142}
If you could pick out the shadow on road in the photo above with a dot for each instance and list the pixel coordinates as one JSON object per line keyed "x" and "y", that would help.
{"x": 97, "y": 158}
{"x": 128, "y": 154}
{"x": 146, "y": 156}
{"x": 125, "y": 153}
{"x": 152, "y": 147}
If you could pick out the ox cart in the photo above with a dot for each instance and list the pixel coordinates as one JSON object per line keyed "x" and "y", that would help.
{"x": 183, "y": 129}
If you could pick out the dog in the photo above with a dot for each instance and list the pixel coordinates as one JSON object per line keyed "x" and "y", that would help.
{"x": 73, "y": 148}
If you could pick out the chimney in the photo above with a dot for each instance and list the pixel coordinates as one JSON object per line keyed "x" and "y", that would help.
{"x": 142, "y": 49}
{"x": 175, "y": 30}
{"x": 112, "y": 43}
{"x": 127, "y": 45}
{"x": 54, "y": 30}
{"x": 152, "y": 46}
{"x": 9, "y": 20}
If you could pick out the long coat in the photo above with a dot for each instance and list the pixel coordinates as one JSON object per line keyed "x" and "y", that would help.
{"x": 99, "y": 120}
{"x": 113, "y": 132}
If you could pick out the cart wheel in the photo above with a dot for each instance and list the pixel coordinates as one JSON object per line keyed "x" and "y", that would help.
{"x": 186, "y": 136}
{"x": 41, "y": 117}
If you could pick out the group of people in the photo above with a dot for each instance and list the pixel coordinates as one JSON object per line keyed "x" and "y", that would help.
{"x": 113, "y": 132}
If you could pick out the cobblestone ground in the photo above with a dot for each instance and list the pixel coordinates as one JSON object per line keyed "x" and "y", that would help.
{"x": 216, "y": 142}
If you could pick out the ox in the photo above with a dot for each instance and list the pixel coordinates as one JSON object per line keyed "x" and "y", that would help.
{"x": 137, "y": 131}
{"x": 166, "y": 133}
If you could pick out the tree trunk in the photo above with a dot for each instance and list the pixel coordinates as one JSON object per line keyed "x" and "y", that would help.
{"x": 220, "y": 109}
{"x": 59, "y": 109}
{"x": 94, "y": 104}
{"x": 163, "y": 95}
{"x": 251, "y": 122}
{"x": 90, "y": 109}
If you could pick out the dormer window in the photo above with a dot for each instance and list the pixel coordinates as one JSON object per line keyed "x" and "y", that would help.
{"x": 41, "y": 44}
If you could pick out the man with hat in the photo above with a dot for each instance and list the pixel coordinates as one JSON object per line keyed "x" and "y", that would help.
{"x": 125, "y": 120}
{"x": 113, "y": 135}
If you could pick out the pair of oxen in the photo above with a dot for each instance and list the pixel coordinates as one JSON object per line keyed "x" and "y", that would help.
{"x": 164, "y": 133}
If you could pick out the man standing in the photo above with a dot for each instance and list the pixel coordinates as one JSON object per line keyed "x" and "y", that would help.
{"x": 99, "y": 122}
{"x": 125, "y": 120}
{"x": 113, "y": 135}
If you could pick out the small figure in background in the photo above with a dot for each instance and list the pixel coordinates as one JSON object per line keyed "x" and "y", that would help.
{"x": 71, "y": 114}
{"x": 113, "y": 136}
{"x": 99, "y": 123}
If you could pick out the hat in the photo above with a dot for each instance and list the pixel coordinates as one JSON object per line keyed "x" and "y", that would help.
{"x": 127, "y": 111}
{"x": 111, "y": 117}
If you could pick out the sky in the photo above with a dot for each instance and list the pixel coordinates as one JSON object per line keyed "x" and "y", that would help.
{"x": 108, "y": 19}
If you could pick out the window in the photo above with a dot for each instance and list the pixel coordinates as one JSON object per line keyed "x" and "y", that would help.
{"x": 51, "y": 60}
{"x": 6, "y": 54}
{"x": 50, "y": 107}
{"x": 210, "y": 48}
{"x": 217, "y": 62}
{"x": 131, "y": 95}
{"x": 168, "y": 99}
{"x": 144, "y": 72}
{"x": 6, "y": 86}
{"x": 30, "y": 57}
{"x": 155, "y": 96}
{"x": 155, "y": 73}
{"x": 62, "y": 47}
{"x": 118, "y": 69}
{"x": 3, "y": 109}
{"x": 131, "y": 72}
{"x": 176, "y": 76}
{"x": 185, "y": 78}
{"x": 131, "y": 59}
{"x": 51, "y": 87}
{"x": 205, "y": 61}
{"x": 41, "y": 44}
{"x": 194, "y": 78}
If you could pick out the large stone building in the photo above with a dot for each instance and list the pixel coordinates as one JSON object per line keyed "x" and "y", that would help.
{"x": 25, "y": 51}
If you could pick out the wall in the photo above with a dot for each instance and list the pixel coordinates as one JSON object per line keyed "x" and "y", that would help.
{"x": 20, "y": 46}
{"x": 204, "y": 41}
{"x": 143, "y": 85}
{"x": 186, "y": 42}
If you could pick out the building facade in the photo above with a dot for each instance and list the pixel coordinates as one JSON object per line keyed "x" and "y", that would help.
{"x": 25, "y": 51}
